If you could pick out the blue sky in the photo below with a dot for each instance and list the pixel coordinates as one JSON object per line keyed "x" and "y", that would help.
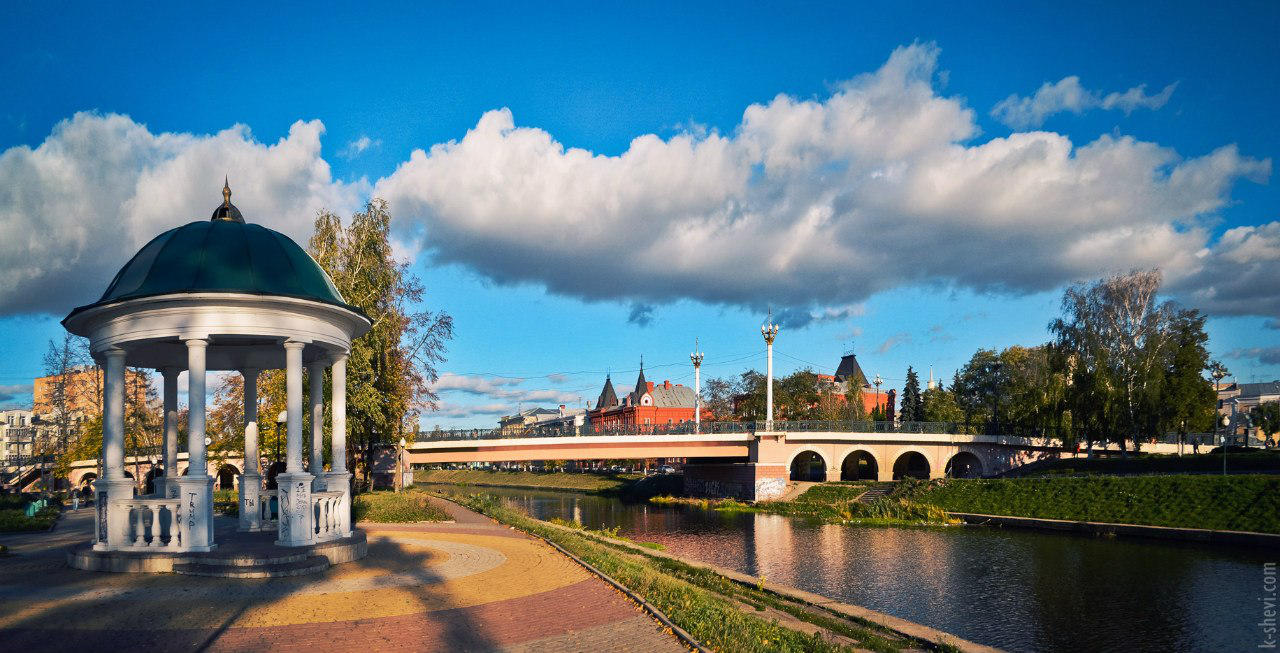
{"x": 536, "y": 292}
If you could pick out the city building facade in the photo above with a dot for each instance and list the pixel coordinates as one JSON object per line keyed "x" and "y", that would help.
{"x": 649, "y": 405}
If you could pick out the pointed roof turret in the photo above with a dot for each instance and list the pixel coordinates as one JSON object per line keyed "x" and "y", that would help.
{"x": 641, "y": 385}
{"x": 849, "y": 370}
{"x": 608, "y": 398}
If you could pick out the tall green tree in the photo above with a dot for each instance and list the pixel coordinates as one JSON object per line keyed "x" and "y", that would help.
{"x": 390, "y": 369}
{"x": 1127, "y": 357}
{"x": 912, "y": 401}
{"x": 717, "y": 396}
{"x": 939, "y": 405}
{"x": 60, "y": 361}
{"x": 1267, "y": 418}
{"x": 980, "y": 387}
{"x": 1187, "y": 399}
{"x": 393, "y": 366}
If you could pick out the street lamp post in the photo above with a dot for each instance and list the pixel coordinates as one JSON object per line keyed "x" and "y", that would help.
{"x": 696, "y": 357}
{"x": 877, "y": 383}
{"x": 770, "y": 331}
{"x": 1223, "y": 442}
{"x": 280, "y": 421}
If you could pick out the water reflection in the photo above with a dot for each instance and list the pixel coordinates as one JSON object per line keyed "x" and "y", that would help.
{"x": 1018, "y": 590}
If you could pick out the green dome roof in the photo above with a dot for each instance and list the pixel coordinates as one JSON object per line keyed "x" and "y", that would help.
{"x": 221, "y": 255}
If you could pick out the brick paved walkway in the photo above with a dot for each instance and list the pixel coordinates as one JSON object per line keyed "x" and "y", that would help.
{"x": 472, "y": 585}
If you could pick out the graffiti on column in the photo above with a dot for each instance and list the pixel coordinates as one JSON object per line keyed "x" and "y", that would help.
{"x": 191, "y": 514}
{"x": 283, "y": 498}
{"x": 102, "y": 516}
{"x": 298, "y": 505}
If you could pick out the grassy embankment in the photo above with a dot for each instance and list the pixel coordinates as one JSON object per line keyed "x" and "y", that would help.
{"x": 723, "y": 615}
{"x": 390, "y": 507}
{"x": 1252, "y": 462}
{"x": 371, "y": 506}
{"x": 13, "y": 516}
{"x": 834, "y": 503}
{"x": 626, "y": 486}
{"x": 1238, "y": 503}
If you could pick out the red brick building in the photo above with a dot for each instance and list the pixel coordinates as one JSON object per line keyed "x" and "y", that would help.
{"x": 650, "y": 404}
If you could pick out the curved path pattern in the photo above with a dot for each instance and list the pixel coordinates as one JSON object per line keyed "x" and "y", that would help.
{"x": 469, "y": 585}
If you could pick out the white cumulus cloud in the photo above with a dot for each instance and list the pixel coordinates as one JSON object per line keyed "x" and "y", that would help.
{"x": 1067, "y": 94}
{"x": 76, "y": 207}
{"x": 358, "y": 146}
{"x": 809, "y": 204}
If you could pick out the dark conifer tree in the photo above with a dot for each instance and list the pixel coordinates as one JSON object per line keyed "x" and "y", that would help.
{"x": 912, "y": 401}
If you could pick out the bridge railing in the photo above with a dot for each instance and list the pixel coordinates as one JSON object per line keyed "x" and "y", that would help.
{"x": 800, "y": 426}
{"x": 707, "y": 428}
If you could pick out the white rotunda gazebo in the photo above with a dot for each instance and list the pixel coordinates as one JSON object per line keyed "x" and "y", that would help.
{"x": 221, "y": 294}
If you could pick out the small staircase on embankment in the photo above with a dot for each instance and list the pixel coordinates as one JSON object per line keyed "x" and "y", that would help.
{"x": 877, "y": 491}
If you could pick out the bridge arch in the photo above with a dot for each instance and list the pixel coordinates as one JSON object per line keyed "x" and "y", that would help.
{"x": 149, "y": 481}
{"x": 227, "y": 474}
{"x": 859, "y": 465}
{"x": 808, "y": 465}
{"x": 965, "y": 464}
{"x": 911, "y": 463}
{"x": 84, "y": 483}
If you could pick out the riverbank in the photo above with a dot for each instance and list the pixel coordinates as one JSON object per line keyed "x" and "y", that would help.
{"x": 1240, "y": 462}
{"x": 819, "y": 504}
{"x": 1219, "y": 503}
{"x": 717, "y": 610}
{"x": 627, "y": 486}
{"x": 1244, "y": 503}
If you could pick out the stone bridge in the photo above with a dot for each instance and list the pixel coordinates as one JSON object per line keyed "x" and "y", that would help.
{"x": 757, "y": 465}
{"x": 225, "y": 470}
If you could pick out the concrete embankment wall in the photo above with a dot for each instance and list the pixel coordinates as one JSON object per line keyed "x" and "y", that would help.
{"x": 1244, "y": 538}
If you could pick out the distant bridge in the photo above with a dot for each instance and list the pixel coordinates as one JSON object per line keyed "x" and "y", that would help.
{"x": 743, "y": 462}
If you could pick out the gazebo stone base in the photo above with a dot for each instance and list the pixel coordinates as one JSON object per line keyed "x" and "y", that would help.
{"x": 196, "y": 494}
{"x": 296, "y": 523}
{"x": 239, "y": 555}
{"x": 250, "y": 503}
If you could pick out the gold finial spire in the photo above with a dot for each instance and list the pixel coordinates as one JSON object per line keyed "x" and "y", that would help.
{"x": 227, "y": 211}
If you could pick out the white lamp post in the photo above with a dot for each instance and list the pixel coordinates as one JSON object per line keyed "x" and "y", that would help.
{"x": 770, "y": 331}
{"x": 696, "y": 357}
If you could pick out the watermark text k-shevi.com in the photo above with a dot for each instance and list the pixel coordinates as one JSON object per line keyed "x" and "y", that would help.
{"x": 1268, "y": 601}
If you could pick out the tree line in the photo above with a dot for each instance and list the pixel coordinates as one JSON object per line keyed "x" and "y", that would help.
{"x": 1120, "y": 367}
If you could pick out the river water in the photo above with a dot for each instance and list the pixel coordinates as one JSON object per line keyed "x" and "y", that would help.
{"x": 1014, "y": 589}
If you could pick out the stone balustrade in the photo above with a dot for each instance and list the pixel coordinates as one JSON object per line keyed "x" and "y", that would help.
{"x": 268, "y": 508}
{"x": 152, "y": 523}
{"x": 327, "y": 519}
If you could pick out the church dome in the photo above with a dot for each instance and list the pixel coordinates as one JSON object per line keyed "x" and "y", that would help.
{"x": 225, "y": 255}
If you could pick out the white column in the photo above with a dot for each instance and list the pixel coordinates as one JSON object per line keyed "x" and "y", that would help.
{"x": 113, "y": 414}
{"x": 294, "y": 485}
{"x": 251, "y": 455}
{"x": 337, "y": 477}
{"x": 293, "y": 404}
{"x": 170, "y": 392}
{"x": 315, "y": 372}
{"x": 339, "y": 408}
{"x": 196, "y": 458}
{"x": 111, "y": 528}
{"x": 250, "y": 480}
{"x": 196, "y": 488}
